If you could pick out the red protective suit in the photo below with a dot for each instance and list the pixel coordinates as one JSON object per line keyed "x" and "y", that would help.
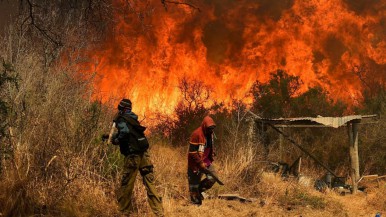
{"x": 200, "y": 138}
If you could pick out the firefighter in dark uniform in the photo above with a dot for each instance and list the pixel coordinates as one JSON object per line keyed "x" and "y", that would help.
{"x": 134, "y": 146}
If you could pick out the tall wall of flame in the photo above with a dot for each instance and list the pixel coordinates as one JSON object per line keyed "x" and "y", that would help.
{"x": 229, "y": 44}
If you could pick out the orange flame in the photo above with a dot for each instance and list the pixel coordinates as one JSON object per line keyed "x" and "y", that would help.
{"x": 231, "y": 44}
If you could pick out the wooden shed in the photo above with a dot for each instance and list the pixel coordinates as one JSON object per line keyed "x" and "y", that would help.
{"x": 350, "y": 122}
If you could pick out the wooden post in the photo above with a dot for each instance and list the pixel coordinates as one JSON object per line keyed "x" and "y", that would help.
{"x": 281, "y": 141}
{"x": 251, "y": 130}
{"x": 354, "y": 156}
{"x": 356, "y": 150}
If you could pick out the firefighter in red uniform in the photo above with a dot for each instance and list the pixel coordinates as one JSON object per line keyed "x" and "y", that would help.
{"x": 200, "y": 159}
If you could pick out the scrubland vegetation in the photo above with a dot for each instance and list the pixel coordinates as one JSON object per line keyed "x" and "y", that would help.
{"x": 54, "y": 163}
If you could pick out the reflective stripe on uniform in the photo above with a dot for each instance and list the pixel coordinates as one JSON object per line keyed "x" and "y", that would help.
{"x": 193, "y": 187}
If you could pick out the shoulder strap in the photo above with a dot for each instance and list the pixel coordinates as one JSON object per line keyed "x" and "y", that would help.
{"x": 130, "y": 120}
{"x": 137, "y": 127}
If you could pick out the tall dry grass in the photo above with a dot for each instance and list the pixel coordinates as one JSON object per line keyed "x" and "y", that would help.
{"x": 271, "y": 195}
{"x": 55, "y": 163}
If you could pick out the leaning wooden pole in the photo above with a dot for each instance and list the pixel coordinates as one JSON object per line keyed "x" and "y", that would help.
{"x": 112, "y": 129}
{"x": 296, "y": 144}
{"x": 352, "y": 129}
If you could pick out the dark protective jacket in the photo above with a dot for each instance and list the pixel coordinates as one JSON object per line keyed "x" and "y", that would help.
{"x": 201, "y": 145}
{"x": 130, "y": 137}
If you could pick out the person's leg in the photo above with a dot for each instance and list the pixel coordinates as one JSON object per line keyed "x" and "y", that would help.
{"x": 147, "y": 173}
{"x": 209, "y": 181}
{"x": 125, "y": 192}
{"x": 194, "y": 184}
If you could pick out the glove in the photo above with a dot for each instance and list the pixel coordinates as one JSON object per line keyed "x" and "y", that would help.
{"x": 202, "y": 165}
{"x": 115, "y": 141}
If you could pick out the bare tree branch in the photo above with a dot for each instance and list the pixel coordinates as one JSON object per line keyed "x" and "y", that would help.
{"x": 46, "y": 33}
{"x": 361, "y": 72}
{"x": 195, "y": 93}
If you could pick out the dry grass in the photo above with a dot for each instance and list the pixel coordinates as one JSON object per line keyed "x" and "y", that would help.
{"x": 274, "y": 196}
{"x": 91, "y": 191}
{"x": 93, "y": 194}
{"x": 377, "y": 197}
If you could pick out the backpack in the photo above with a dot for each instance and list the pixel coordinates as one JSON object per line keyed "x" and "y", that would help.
{"x": 137, "y": 139}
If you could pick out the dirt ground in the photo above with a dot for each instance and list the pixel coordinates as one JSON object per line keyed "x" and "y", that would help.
{"x": 361, "y": 204}
{"x": 349, "y": 205}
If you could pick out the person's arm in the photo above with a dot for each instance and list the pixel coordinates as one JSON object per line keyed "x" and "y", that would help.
{"x": 123, "y": 133}
{"x": 197, "y": 151}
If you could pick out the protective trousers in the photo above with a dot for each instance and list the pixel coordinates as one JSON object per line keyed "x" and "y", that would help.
{"x": 132, "y": 164}
{"x": 197, "y": 186}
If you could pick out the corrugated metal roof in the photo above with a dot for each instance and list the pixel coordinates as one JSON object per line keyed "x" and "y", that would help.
{"x": 334, "y": 122}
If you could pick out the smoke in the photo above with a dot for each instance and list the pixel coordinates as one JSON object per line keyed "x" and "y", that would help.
{"x": 362, "y": 7}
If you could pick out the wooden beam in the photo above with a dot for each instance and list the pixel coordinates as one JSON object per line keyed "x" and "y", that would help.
{"x": 299, "y": 126}
{"x": 315, "y": 125}
{"x": 381, "y": 177}
{"x": 281, "y": 141}
{"x": 356, "y": 150}
{"x": 352, "y": 129}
